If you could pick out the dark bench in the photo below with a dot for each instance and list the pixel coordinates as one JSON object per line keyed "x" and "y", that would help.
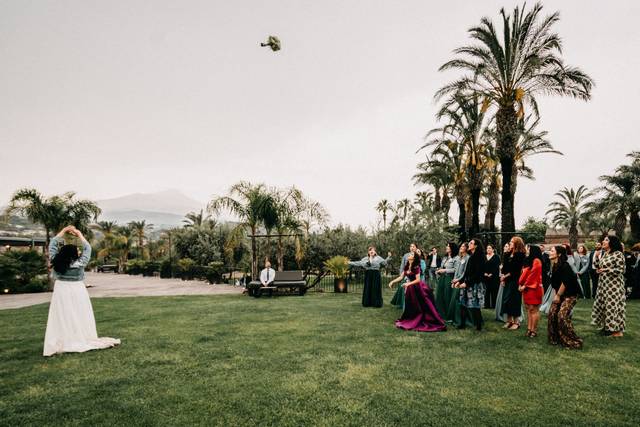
{"x": 285, "y": 282}
{"x": 108, "y": 267}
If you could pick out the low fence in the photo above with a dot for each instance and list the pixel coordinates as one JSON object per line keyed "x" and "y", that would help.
{"x": 355, "y": 282}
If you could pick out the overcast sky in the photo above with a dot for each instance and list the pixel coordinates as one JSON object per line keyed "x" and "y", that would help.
{"x": 113, "y": 97}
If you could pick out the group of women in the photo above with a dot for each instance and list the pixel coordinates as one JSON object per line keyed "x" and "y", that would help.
{"x": 470, "y": 278}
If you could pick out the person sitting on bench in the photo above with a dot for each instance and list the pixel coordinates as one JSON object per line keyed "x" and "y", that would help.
{"x": 267, "y": 275}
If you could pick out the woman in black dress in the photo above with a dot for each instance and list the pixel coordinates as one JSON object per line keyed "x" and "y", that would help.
{"x": 512, "y": 299}
{"x": 492, "y": 277}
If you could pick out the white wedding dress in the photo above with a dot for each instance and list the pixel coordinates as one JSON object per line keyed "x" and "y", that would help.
{"x": 71, "y": 327}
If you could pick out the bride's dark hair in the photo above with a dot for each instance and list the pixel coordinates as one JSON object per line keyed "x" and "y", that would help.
{"x": 63, "y": 259}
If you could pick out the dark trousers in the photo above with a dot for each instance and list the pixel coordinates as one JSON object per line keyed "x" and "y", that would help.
{"x": 594, "y": 283}
{"x": 491, "y": 295}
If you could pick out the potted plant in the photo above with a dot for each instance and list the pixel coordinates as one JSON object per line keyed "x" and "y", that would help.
{"x": 339, "y": 267}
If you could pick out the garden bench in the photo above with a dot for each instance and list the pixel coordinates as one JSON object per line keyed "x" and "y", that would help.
{"x": 289, "y": 282}
{"x": 108, "y": 267}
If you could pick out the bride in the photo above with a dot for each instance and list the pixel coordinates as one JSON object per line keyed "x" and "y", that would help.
{"x": 71, "y": 327}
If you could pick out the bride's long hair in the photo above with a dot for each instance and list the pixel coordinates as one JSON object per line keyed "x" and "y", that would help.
{"x": 64, "y": 258}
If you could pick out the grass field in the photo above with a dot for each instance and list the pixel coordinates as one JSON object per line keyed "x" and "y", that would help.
{"x": 315, "y": 360}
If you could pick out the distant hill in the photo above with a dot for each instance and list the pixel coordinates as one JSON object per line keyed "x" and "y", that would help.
{"x": 163, "y": 209}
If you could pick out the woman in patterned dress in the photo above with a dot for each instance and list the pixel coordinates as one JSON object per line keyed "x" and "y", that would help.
{"x": 472, "y": 289}
{"x": 565, "y": 282}
{"x": 609, "y": 307}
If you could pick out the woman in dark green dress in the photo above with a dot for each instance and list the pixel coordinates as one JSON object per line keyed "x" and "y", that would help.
{"x": 372, "y": 292}
{"x": 445, "y": 277}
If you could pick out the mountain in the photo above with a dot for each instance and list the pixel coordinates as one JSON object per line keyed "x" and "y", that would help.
{"x": 163, "y": 209}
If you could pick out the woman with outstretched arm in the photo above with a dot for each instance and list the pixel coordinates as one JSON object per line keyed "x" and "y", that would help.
{"x": 372, "y": 263}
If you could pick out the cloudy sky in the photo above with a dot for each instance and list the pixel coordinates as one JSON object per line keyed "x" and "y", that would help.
{"x": 113, "y": 97}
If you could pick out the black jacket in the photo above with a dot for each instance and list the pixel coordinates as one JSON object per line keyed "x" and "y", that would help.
{"x": 430, "y": 258}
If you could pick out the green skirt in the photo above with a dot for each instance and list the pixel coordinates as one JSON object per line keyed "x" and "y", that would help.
{"x": 398, "y": 297}
{"x": 443, "y": 294}
{"x": 372, "y": 292}
{"x": 455, "y": 307}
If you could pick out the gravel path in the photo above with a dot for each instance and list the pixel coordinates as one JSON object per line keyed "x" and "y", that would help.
{"x": 122, "y": 285}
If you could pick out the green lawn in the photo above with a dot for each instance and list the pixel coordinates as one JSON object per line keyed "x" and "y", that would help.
{"x": 315, "y": 360}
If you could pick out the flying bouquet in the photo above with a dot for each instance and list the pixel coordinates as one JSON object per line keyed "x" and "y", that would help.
{"x": 273, "y": 42}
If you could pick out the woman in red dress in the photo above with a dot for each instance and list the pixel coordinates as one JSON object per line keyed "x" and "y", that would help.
{"x": 530, "y": 284}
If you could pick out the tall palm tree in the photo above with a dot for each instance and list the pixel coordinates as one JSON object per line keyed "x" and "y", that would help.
{"x": 106, "y": 227}
{"x": 432, "y": 174}
{"x": 139, "y": 230}
{"x": 383, "y": 207}
{"x": 251, "y": 204}
{"x": 569, "y": 211}
{"x": 466, "y": 125}
{"x": 447, "y": 158}
{"x": 508, "y": 69}
{"x": 54, "y": 212}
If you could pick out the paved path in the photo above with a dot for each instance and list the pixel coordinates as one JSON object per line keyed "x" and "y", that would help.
{"x": 123, "y": 285}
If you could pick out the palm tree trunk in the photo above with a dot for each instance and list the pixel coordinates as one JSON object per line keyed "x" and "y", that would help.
{"x": 634, "y": 222}
{"x": 437, "y": 204}
{"x": 506, "y": 131}
{"x": 280, "y": 254}
{"x": 446, "y": 204}
{"x": 493, "y": 200}
{"x": 467, "y": 216}
{"x": 254, "y": 255}
{"x": 620, "y": 224}
{"x": 508, "y": 216}
{"x": 462, "y": 220}
{"x": 475, "y": 211}
{"x": 573, "y": 236}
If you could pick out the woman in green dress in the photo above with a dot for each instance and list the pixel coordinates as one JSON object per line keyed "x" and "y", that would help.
{"x": 445, "y": 277}
{"x": 372, "y": 292}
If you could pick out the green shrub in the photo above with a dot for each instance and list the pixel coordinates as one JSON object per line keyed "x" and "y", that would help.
{"x": 186, "y": 268}
{"x": 134, "y": 267}
{"x": 167, "y": 271}
{"x": 20, "y": 271}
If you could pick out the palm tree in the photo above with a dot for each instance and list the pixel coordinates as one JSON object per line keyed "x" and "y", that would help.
{"x": 252, "y": 204}
{"x": 620, "y": 195}
{"x": 383, "y": 207}
{"x": 199, "y": 220}
{"x": 447, "y": 159}
{"x": 569, "y": 211}
{"x": 530, "y": 142}
{"x": 432, "y": 174}
{"x": 508, "y": 70}
{"x": 117, "y": 243}
{"x": 287, "y": 205}
{"x": 138, "y": 230}
{"x": 402, "y": 208}
{"x": 106, "y": 227}
{"x": 466, "y": 125}
{"x": 54, "y": 212}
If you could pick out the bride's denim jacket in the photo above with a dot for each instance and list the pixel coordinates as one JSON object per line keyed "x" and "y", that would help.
{"x": 75, "y": 272}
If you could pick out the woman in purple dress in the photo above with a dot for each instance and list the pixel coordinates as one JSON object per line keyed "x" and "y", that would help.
{"x": 420, "y": 312}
